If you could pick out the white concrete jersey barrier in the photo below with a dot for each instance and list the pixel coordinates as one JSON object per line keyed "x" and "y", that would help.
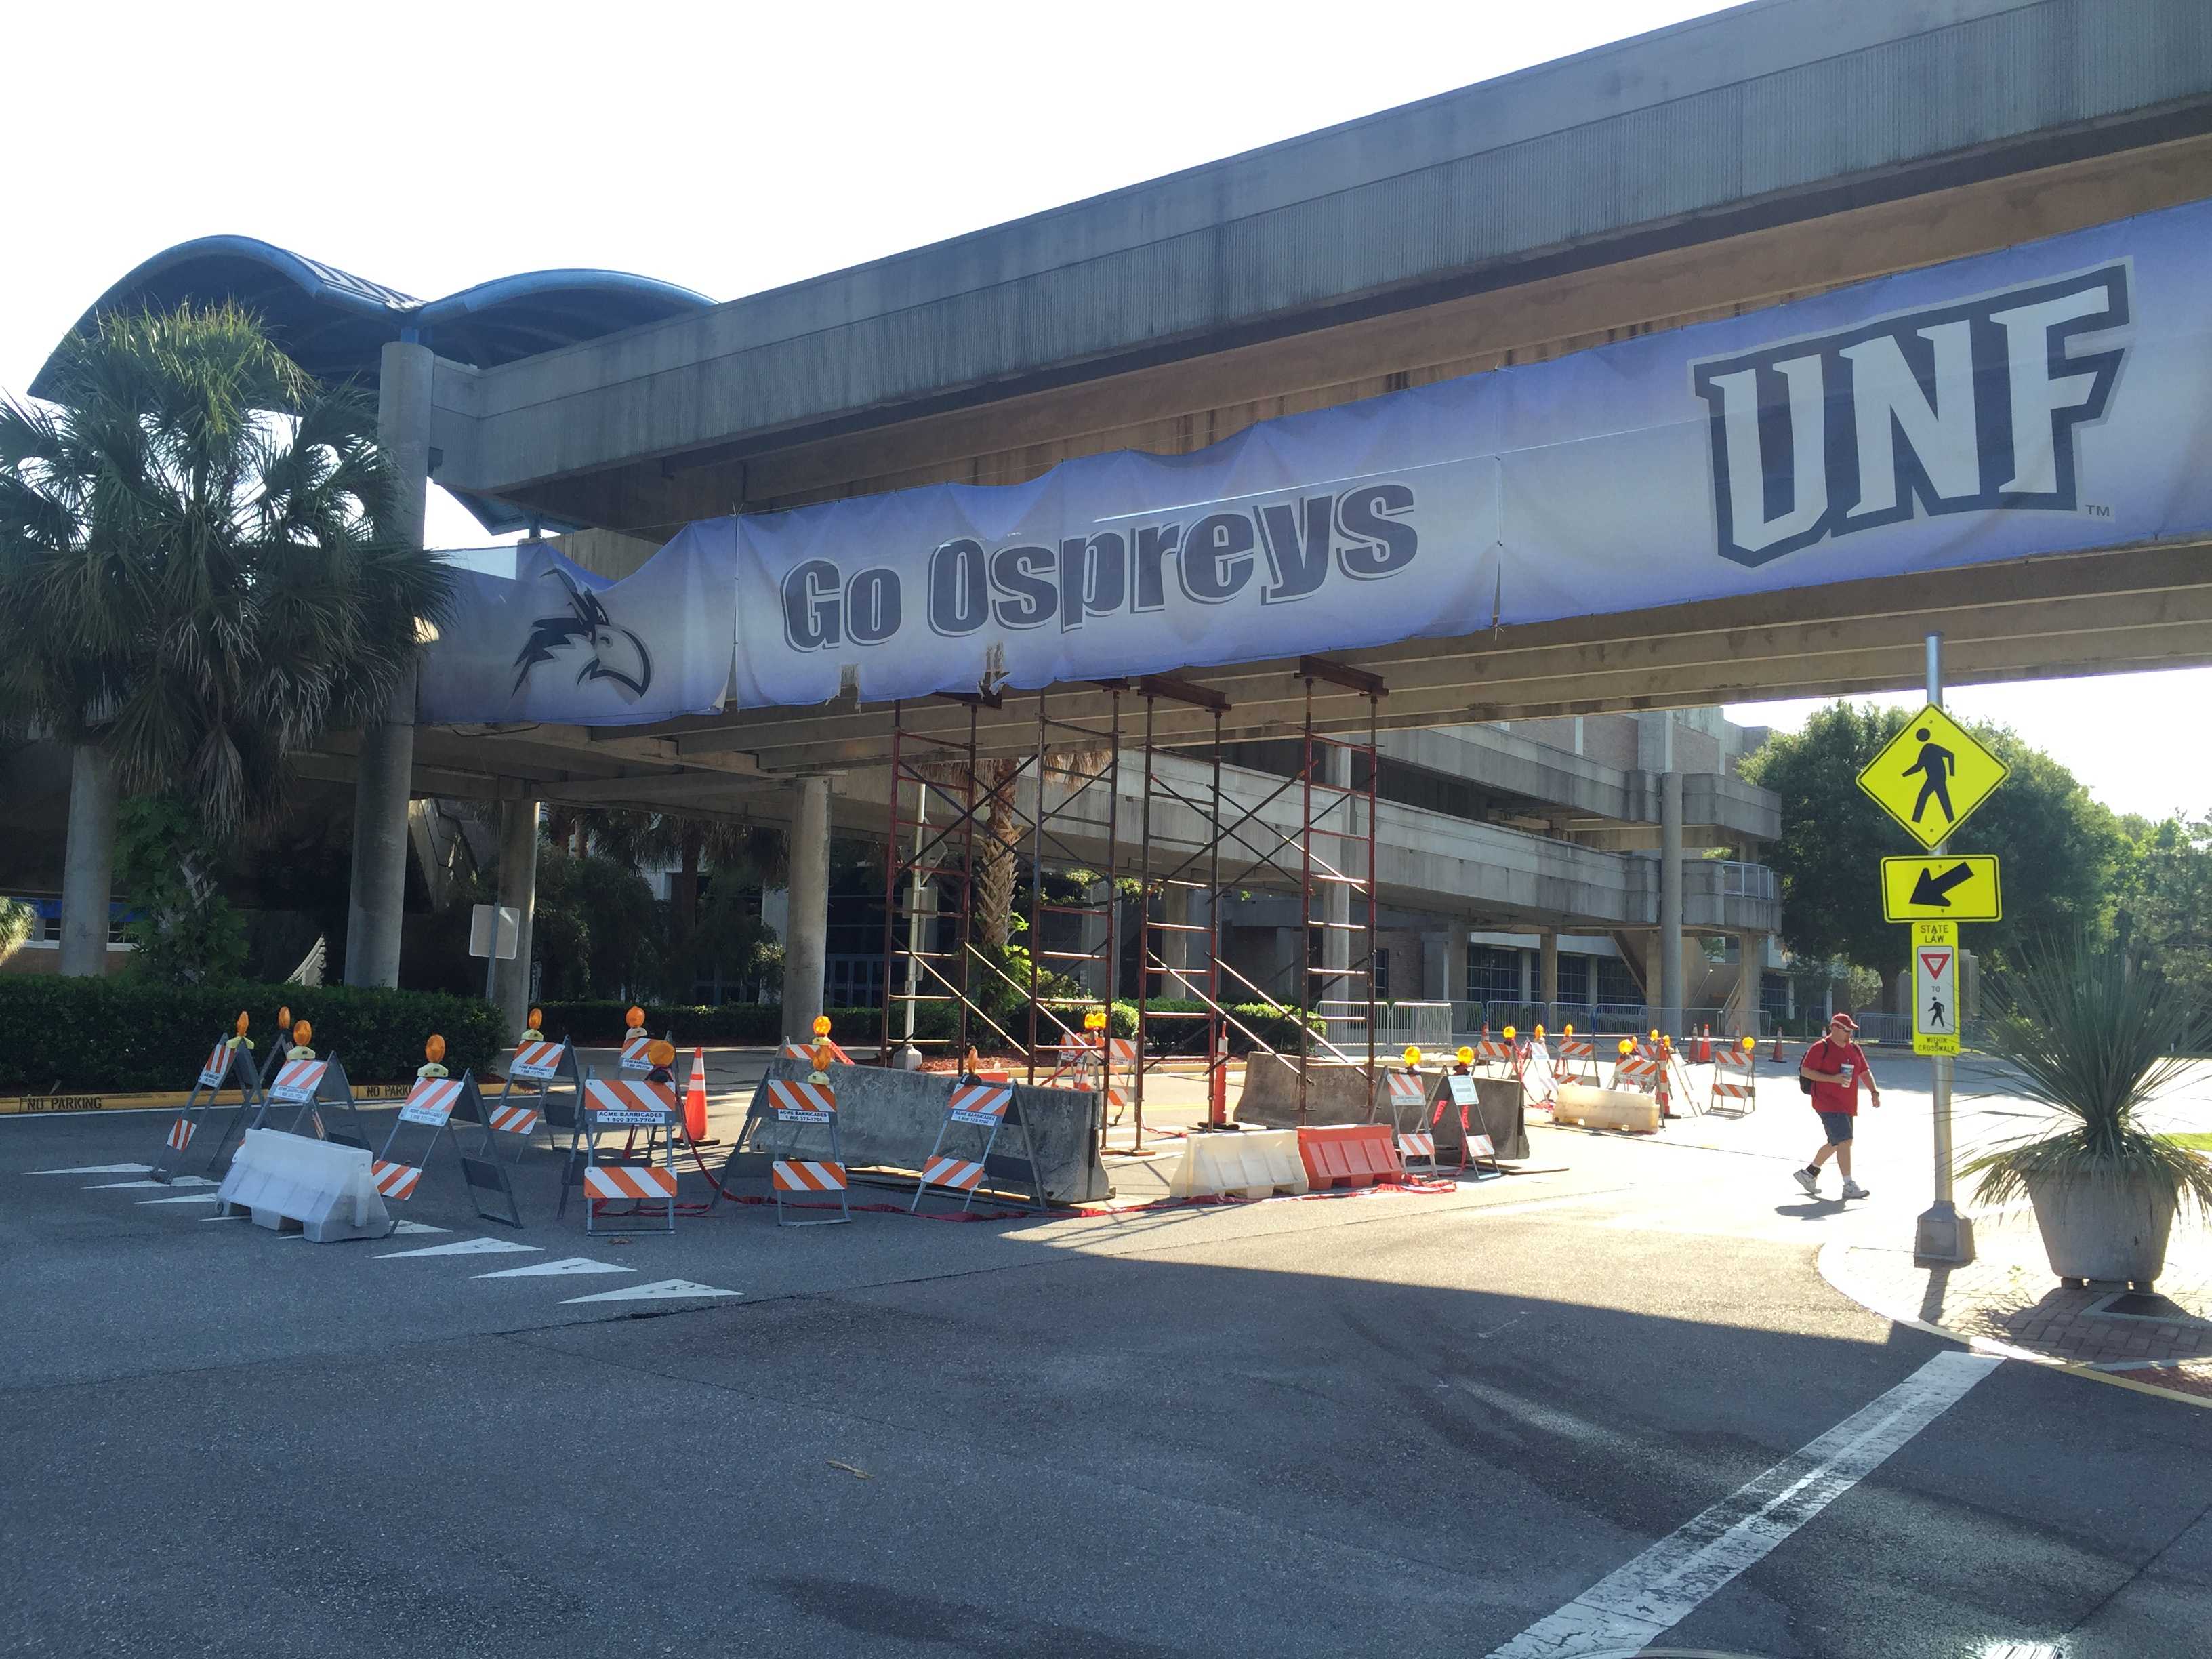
{"x": 1248, "y": 1163}
{"x": 328, "y": 1188}
{"x": 1605, "y": 1109}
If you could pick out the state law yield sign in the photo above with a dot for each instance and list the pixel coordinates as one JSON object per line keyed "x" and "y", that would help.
{"x": 1931, "y": 776}
{"x": 1960, "y": 888}
{"x": 1935, "y": 987}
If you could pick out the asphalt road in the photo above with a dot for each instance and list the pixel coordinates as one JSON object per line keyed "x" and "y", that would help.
{"x": 1394, "y": 1424}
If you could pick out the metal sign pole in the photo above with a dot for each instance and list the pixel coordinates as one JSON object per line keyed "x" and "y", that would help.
{"x": 1943, "y": 1234}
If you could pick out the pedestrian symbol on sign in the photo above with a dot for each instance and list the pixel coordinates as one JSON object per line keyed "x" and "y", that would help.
{"x": 1935, "y": 765}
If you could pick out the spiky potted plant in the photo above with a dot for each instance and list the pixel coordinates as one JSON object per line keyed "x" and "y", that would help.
{"x": 2096, "y": 1040}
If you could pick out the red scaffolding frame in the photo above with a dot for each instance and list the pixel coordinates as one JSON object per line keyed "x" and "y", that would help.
{"x": 1076, "y": 759}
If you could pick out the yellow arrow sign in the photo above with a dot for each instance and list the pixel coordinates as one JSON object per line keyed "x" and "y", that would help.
{"x": 1931, "y": 776}
{"x": 1946, "y": 889}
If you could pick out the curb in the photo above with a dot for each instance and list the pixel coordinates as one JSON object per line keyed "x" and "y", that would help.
{"x": 159, "y": 1100}
{"x": 1831, "y": 1265}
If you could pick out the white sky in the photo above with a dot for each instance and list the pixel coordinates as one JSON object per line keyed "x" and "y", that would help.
{"x": 734, "y": 148}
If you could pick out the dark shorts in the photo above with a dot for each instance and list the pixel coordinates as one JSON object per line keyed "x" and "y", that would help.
{"x": 1838, "y": 1126}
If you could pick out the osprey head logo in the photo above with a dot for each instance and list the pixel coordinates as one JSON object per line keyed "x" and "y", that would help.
{"x": 617, "y": 654}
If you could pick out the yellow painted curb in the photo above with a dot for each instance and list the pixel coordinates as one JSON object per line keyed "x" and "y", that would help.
{"x": 157, "y": 1101}
{"x": 1833, "y": 1273}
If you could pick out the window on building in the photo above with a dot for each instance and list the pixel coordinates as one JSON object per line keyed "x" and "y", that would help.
{"x": 1574, "y": 978}
{"x": 1493, "y": 975}
{"x": 1382, "y": 975}
{"x": 1615, "y": 984}
{"x": 1774, "y": 992}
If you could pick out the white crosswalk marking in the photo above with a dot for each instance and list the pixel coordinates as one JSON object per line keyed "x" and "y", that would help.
{"x": 180, "y": 1181}
{"x": 1629, "y": 1609}
{"x": 189, "y": 1198}
{"x": 99, "y": 1168}
{"x": 465, "y": 1247}
{"x": 574, "y": 1264}
{"x": 665, "y": 1289}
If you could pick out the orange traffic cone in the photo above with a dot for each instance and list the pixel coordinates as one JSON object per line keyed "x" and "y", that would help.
{"x": 1778, "y": 1048}
{"x": 695, "y": 1098}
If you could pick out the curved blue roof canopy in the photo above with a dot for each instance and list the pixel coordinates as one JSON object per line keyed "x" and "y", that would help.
{"x": 335, "y": 324}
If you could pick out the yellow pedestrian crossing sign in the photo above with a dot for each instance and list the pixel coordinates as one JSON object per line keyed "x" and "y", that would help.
{"x": 1931, "y": 776}
{"x": 1951, "y": 888}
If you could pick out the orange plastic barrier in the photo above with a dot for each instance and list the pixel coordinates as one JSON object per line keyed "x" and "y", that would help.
{"x": 1350, "y": 1155}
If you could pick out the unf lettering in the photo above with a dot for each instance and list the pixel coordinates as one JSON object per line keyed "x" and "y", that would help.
{"x": 1963, "y": 407}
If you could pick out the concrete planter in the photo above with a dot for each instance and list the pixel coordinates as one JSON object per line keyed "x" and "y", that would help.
{"x": 2103, "y": 1227}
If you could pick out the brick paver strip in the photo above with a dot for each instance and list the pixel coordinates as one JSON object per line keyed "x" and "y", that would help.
{"x": 2008, "y": 1295}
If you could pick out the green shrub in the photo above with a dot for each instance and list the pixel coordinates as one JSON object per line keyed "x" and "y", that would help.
{"x": 123, "y": 1033}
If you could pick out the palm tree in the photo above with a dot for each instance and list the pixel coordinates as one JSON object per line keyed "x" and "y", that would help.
{"x": 194, "y": 578}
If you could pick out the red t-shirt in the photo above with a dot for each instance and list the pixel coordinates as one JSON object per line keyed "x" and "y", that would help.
{"x": 1826, "y": 1056}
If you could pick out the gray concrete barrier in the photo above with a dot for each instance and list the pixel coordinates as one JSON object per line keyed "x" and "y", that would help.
{"x": 890, "y": 1119}
{"x": 1338, "y": 1094}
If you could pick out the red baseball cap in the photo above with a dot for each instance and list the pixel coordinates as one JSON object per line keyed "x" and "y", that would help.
{"x": 1846, "y": 1021}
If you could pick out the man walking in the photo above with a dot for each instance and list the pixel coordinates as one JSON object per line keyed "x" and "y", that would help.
{"x": 1836, "y": 1066}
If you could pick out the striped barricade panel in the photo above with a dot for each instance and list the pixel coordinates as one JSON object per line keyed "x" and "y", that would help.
{"x": 635, "y": 1180}
{"x": 807, "y": 1175}
{"x": 537, "y": 1062}
{"x": 1407, "y": 1091}
{"x": 1412, "y": 1145}
{"x": 980, "y": 1103}
{"x": 430, "y": 1101}
{"x": 623, "y": 1104}
{"x": 961, "y": 1175}
{"x": 394, "y": 1180}
{"x": 181, "y": 1135}
{"x": 217, "y": 1067}
{"x": 298, "y": 1080}
{"x": 634, "y": 1056}
{"x": 512, "y": 1120}
{"x": 794, "y": 1101}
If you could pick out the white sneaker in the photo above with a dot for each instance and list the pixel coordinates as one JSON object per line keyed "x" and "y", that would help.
{"x": 1809, "y": 1180}
{"x": 1852, "y": 1189}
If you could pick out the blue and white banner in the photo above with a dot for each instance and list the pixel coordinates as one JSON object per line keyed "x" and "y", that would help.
{"x": 2053, "y": 397}
{"x": 554, "y": 642}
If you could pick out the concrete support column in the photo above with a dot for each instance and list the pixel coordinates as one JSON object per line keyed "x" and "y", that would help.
{"x": 1744, "y": 1006}
{"x": 89, "y": 866}
{"x": 1096, "y": 973}
{"x": 806, "y": 943}
{"x": 384, "y": 765}
{"x": 1350, "y": 857}
{"x": 1670, "y": 903}
{"x": 518, "y": 892}
{"x": 1175, "y": 947}
{"x": 1547, "y": 992}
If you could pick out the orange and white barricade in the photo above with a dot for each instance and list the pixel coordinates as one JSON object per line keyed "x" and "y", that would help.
{"x": 1494, "y": 1051}
{"x": 1458, "y": 1098}
{"x": 800, "y": 1051}
{"x": 1577, "y": 1060}
{"x": 1736, "y": 1079}
{"x": 310, "y": 1085}
{"x": 544, "y": 1086}
{"x": 229, "y": 1064}
{"x": 790, "y": 1124}
{"x": 627, "y": 1105}
{"x": 1637, "y": 1069}
{"x": 1407, "y": 1096}
{"x": 440, "y": 1104}
{"x": 984, "y": 1110}
{"x": 1538, "y": 1082}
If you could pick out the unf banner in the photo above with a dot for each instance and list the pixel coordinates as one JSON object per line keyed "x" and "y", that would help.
{"x": 2049, "y": 397}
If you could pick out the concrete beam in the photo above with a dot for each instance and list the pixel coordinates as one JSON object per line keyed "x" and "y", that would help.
{"x": 1575, "y": 164}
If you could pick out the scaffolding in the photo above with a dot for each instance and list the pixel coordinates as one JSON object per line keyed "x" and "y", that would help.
{"x": 1060, "y": 801}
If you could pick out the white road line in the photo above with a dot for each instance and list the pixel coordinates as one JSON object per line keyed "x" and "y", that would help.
{"x": 573, "y": 1264}
{"x": 1630, "y": 1608}
{"x": 189, "y": 1198}
{"x": 178, "y": 1180}
{"x": 664, "y": 1289}
{"x": 461, "y": 1247}
{"x": 99, "y": 1168}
